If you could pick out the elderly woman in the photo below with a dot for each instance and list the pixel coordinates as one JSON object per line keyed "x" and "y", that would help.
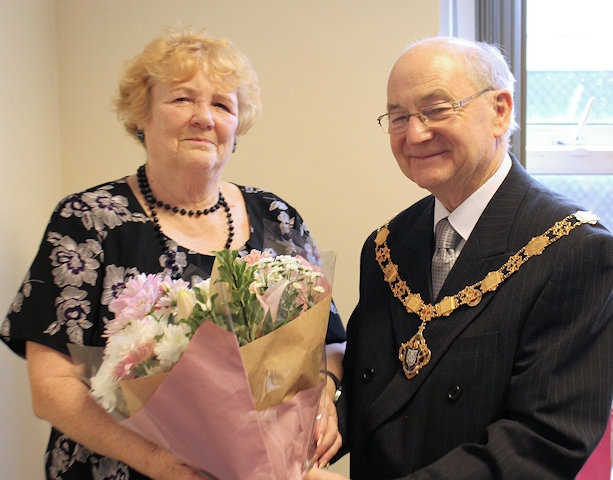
{"x": 186, "y": 98}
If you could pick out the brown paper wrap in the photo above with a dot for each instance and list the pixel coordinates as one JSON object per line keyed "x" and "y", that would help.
{"x": 289, "y": 359}
{"x": 278, "y": 365}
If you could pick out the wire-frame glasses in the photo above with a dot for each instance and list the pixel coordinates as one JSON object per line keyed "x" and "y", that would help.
{"x": 396, "y": 123}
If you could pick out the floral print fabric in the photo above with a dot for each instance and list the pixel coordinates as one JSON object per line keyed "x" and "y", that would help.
{"x": 95, "y": 241}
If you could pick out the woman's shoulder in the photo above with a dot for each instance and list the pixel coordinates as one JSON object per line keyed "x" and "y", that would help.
{"x": 271, "y": 217}
{"x": 258, "y": 197}
{"x": 259, "y": 193}
{"x": 112, "y": 187}
{"x": 106, "y": 205}
{"x": 115, "y": 187}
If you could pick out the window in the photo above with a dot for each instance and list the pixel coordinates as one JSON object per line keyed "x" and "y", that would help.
{"x": 569, "y": 100}
{"x": 559, "y": 52}
{"x": 569, "y": 87}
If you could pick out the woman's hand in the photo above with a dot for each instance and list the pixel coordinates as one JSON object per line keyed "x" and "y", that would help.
{"x": 328, "y": 439}
{"x": 317, "y": 474}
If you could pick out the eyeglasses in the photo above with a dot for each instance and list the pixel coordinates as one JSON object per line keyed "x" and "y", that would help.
{"x": 397, "y": 122}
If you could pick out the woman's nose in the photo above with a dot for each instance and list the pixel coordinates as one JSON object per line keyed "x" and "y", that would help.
{"x": 202, "y": 115}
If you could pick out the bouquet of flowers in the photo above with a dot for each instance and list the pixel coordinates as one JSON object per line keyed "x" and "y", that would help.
{"x": 226, "y": 372}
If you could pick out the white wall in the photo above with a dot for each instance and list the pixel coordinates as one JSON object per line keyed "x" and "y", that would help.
{"x": 30, "y": 172}
{"x": 323, "y": 69}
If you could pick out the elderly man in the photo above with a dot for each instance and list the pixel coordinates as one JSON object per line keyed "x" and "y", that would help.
{"x": 489, "y": 356}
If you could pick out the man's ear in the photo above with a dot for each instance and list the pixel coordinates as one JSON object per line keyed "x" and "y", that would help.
{"x": 503, "y": 105}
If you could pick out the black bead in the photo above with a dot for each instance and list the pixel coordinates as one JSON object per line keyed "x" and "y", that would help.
{"x": 152, "y": 202}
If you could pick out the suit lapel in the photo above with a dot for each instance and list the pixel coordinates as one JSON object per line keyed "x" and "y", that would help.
{"x": 485, "y": 251}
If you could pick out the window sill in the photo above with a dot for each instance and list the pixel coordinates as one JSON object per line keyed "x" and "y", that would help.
{"x": 570, "y": 159}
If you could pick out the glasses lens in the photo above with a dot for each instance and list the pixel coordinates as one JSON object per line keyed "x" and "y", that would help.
{"x": 438, "y": 112}
{"x": 397, "y": 122}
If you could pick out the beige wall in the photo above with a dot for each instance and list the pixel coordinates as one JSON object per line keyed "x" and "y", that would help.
{"x": 30, "y": 172}
{"x": 323, "y": 67}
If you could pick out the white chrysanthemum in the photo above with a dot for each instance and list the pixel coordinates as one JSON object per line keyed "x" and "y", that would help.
{"x": 118, "y": 347}
{"x": 134, "y": 334}
{"x": 172, "y": 345}
{"x": 104, "y": 387}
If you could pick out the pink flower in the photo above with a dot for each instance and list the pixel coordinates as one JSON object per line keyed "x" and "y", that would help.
{"x": 136, "y": 301}
{"x": 125, "y": 368}
{"x": 172, "y": 292}
{"x": 254, "y": 256}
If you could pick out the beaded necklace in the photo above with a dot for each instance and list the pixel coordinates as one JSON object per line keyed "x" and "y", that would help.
{"x": 153, "y": 203}
{"x": 415, "y": 354}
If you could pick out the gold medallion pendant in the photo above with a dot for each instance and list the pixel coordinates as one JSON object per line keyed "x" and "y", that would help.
{"x": 415, "y": 354}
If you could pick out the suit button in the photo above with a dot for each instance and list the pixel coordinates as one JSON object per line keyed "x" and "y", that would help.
{"x": 367, "y": 374}
{"x": 454, "y": 392}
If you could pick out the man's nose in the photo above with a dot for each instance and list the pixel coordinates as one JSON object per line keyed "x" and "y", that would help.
{"x": 417, "y": 130}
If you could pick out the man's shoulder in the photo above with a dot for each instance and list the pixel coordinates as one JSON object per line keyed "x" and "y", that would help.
{"x": 400, "y": 223}
{"x": 422, "y": 210}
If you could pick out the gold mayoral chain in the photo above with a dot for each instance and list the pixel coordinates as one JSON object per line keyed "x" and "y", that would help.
{"x": 415, "y": 353}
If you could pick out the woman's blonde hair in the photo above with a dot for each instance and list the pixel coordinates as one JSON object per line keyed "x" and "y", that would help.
{"x": 176, "y": 57}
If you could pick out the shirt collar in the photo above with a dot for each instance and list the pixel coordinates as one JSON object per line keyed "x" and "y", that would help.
{"x": 464, "y": 218}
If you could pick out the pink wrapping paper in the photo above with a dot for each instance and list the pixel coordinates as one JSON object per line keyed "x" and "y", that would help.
{"x": 204, "y": 412}
{"x": 599, "y": 465}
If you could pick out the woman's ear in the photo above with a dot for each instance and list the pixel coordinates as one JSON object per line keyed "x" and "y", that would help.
{"x": 503, "y": 106}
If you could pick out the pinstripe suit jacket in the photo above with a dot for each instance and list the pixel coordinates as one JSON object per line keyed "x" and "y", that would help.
{"x": 519, "y": 386}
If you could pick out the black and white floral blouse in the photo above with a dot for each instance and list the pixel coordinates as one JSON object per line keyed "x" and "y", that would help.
{"x": 95, "y": 241}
